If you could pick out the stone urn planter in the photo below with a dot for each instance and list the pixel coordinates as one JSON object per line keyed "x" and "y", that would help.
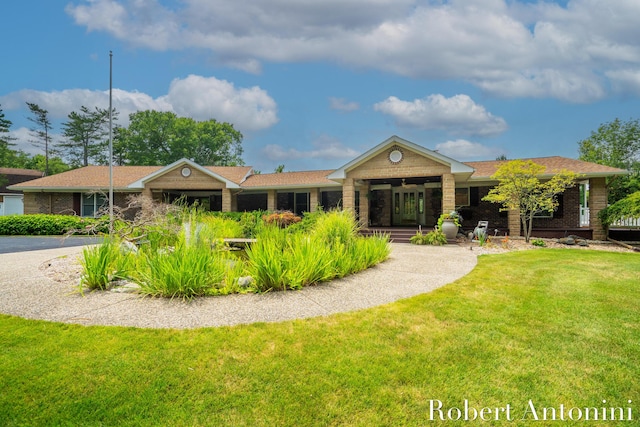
{"x": 450, "y": 229}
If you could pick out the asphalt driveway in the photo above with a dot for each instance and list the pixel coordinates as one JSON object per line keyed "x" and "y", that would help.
{"x": 9, "y": 244}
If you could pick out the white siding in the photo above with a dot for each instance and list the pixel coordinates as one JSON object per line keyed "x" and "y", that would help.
{"x": 12, "y": 205}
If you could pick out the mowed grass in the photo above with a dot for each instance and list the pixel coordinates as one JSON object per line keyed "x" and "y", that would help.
{"x": 553, "y": 326}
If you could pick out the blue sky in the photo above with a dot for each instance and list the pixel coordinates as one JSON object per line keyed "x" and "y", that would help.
{"x": 312, "y": 84}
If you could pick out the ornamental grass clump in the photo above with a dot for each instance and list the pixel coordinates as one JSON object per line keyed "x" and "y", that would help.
{"x": 187, "y": 271}
{"x": 265, "y": 259}
{"x": 336, "y": 227}
{"x": 372, "y": 250}
{"x": 195, "y": 261}
{"x": 103, "y": 264}
{"x": 307, "y": 260}
{"x": 219, "y": 228}
{"x": 284, "y": 259}
{"x": 281, "y": 261}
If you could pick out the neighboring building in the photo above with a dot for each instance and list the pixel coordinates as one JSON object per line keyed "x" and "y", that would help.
{"x": 396, "y": 183}
{"x": 11, "y": 200}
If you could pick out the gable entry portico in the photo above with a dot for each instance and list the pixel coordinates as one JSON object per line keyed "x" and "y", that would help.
{"x": 400, "y": 183}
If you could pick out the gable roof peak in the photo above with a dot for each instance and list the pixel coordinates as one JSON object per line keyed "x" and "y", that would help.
{"x": 456, "y": 166}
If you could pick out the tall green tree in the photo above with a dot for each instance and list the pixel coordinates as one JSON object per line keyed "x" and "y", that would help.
{"x": 520, "y": 187}
{"x": 616, "y": 144}
{"x": 6, "y": 152}
{"x": 160, "y": 138}
{"x": 41, "y": 131}
{"x": 54, "y": 164}
{"x": 86, "y": 134}
{"x": 217, "y": 144}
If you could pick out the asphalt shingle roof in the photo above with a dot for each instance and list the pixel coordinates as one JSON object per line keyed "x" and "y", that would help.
{"x": 284, "y": 179}
{"x": 97, "y": 177}
{"x": 15, "y": 176}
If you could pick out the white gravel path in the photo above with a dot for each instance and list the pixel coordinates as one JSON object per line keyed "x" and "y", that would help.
{"x": 25, "y": 291}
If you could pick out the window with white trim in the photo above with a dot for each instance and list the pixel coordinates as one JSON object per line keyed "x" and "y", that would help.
{"x": 92, "y": 202}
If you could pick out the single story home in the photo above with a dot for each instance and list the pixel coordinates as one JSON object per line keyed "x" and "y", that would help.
{"x": 397, "y": 183}
{"x": 11, "y": 200}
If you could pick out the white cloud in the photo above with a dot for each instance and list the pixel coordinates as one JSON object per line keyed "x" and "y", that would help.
{"x": 22, "y": 141}
{"x": 456, "y": 115}
{"x": 342, "y": 104}
{"x": 207, "y": 97}
{"x": 325, "y": 148}
{"x": 201, "y": 98}
{"x": 508, "y": 48}
{"x": 625, "y": 81}
{"x": 461, "y": 149}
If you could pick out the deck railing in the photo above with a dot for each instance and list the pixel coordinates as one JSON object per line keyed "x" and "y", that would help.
{"x": 629, "y": 222}
{"x": 623, "y": 223}
{"x": 584, "y": 217}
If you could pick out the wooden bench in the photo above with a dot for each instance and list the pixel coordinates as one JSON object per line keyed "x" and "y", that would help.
{"x": 239, "y": 243}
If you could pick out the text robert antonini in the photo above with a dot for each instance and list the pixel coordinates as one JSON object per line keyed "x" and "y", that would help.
{"x": 529, "y": 411}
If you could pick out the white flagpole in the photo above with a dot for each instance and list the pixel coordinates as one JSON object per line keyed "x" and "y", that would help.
{"x": 110, "y": 144}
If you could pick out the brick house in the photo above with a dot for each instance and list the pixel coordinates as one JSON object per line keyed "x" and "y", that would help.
{"x": 395, "y": 184}
{"x": 11, "y": 200}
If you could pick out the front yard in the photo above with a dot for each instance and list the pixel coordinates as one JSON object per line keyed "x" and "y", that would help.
{"x": 546, "y": 327}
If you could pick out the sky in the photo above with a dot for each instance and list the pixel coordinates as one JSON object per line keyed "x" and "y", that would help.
{"x": 312, "y": 84}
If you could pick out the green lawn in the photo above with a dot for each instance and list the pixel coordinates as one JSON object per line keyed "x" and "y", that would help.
{"x": 554, "y": 326}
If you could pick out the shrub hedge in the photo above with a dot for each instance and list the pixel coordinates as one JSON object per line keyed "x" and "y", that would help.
{"x": 43, "y": 224}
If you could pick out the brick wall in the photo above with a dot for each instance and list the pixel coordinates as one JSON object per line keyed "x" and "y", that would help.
{"x": 567, "y": 217}
{"x": 48, "y": 203}
{"x": 63, "y": 203}
{"x": 174, "y": 180}
{"x": 597, "y": 202}
{"x": 412, "y": 164}
{"x": 480, "y": 210}
{"x": 568, "y": 213}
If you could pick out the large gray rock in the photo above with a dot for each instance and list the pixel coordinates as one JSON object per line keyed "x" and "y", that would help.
{"x": 567, "y": 240}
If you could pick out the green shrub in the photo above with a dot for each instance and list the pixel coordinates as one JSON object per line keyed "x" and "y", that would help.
{"x": 418, "y": 239}
{"x": 252, "y": 223}
{"x": 538, "y": 242}
{"x": 308, "y": 222}
{"x": 213, "y": 228}
{"x": 46, "y": 225}
{"x": 282, "y": 219}
{"x": 434, "y": 237}
{"x": 235, "y": 216}
{"x": 626, "y": 208}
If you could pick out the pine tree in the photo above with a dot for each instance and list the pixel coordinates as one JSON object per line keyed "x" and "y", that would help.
{"x": 41, "y": 131}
